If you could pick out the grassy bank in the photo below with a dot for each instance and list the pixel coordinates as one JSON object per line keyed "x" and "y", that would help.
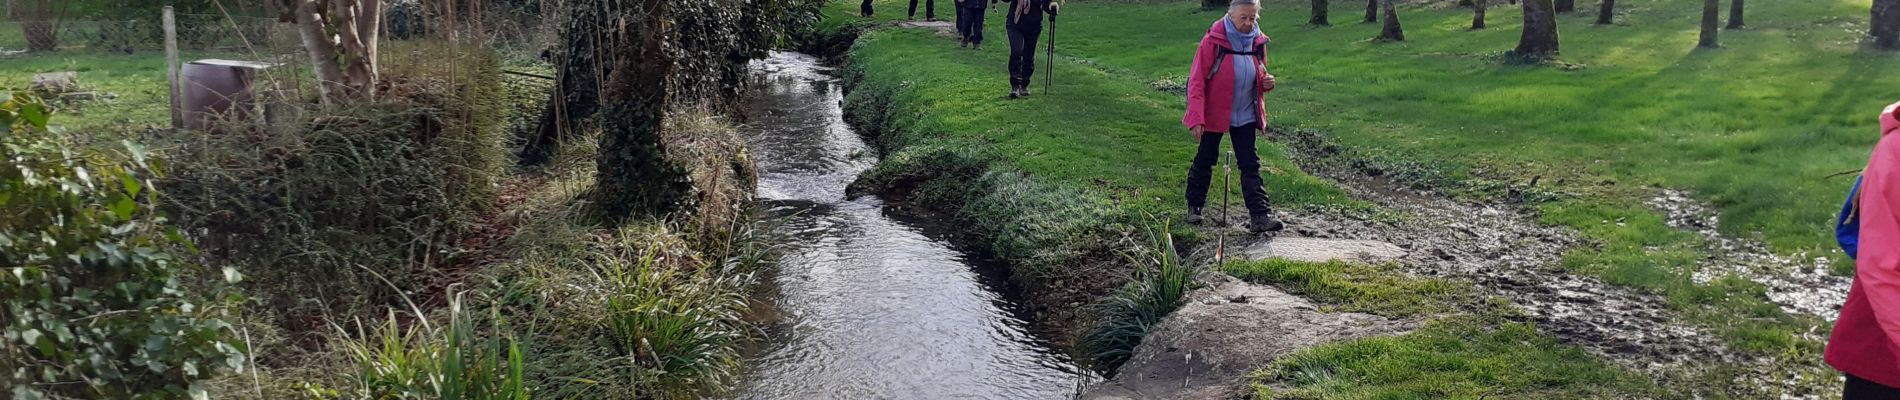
{"x": 1634, "y": 107}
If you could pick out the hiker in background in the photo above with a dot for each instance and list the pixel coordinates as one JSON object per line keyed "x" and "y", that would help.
{"x": 864, "y": 9}
{"x": 930, "y": 10}
{"x": 970, "y": 22}
{"x": 1024, "y": 25}
{"x": 1865, "y": 344}
{"x": 1225, "y": 90}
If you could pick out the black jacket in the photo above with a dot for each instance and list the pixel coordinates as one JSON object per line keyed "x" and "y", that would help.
{"x": 1034, "y": 17}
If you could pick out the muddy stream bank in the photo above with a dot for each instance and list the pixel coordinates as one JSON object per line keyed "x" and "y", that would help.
{"x": 867, "y": 302}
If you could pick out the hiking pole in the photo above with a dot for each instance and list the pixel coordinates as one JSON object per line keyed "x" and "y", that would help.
{"x": 1049, "y": 76}
{"x": 1220, "y": 247}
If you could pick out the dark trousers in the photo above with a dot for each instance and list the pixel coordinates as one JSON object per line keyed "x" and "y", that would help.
{"x": 930, "y": 9}
{"x": 970, "y": 24}
{"x": 865, "y": 8}
{"x": 1022, "y": 49}
{"x": 1201, "y": 174}
{"x": 1862, "y": 389}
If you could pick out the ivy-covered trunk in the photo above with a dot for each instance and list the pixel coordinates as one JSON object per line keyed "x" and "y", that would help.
{"x": 633, "y": 176}
{"x": 578, "y": 67}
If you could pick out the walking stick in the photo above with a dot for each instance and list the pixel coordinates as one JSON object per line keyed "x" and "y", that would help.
{"x": 1049, "y": 76}
{"x": 1220, "y": 250}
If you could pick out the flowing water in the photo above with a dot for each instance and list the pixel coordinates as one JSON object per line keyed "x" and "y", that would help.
{"x": 869, "y": 304}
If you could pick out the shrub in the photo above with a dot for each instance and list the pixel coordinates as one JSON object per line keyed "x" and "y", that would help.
{"x": 94, "y": 305}
{"x": 308, "y": 201}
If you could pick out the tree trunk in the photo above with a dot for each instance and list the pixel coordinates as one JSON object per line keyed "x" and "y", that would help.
{"x": 1540, "y": 31}
{"x": 1392, "y": 30}
{"x": 1372, "y": 11}
{"x": 1735, "y": 14}
{"x": 341, "y": 43}
{"x": 1711, "y": 18}
{"x": 322, "y": 50}
{"x": 1477, "y": 15}
{"x": 1606, "y": 14}
{"x": 1564, "y": 6}
{"x": 1885, "y": 30}
{"x": 579, "y": 65}
{"x": 632, "y": 175}
{"x": 1213, "y": 4}
{"x": 1319, "y": 14}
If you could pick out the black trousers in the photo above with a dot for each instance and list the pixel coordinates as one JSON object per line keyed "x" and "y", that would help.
{"x": 930, "y": 9}
{"x": 865, "y": 9}
{"x": 1201, "y": 173}
{"x": 1022, "y": 49}
{"x": 970, "y": 24}
{"x": 1862, "y": 389}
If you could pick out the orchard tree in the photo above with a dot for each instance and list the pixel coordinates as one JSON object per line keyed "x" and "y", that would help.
{"x": 1711, "y": 18}
{"x": 1564, "y": 6}
{"x": 1319, "y": 14}
{"x": 1477, "y": 15}
{"x": 1392, "y": 30}
{"x": 1539, "y": 40}
{"x": 1372, "y": 11}
{"x": 340, "y": 37}
{"x": 1735, "y": 14}
{"x": 1607, "y": 13}
{"x": 1884, "y": 28}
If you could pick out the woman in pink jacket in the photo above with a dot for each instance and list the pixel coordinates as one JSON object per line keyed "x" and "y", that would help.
{"x": 1866, "y": 341}
{"x": 1225, "y": 90}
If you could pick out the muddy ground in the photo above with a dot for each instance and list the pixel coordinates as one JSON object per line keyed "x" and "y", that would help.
{"x": 1502, "y": 251}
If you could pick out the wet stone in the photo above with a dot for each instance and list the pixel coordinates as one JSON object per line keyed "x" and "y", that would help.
{"x": 1320, "y": 250}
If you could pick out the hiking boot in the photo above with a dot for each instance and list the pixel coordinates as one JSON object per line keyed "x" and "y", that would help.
{"x": 1264, "y": 222}
{"x": 1194, "y": 216}
{"x": 1013, "y": 93}
{"x": 976, "y": 46}
{"x": 963, "y": 44}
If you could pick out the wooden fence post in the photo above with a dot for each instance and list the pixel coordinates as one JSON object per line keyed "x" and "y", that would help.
{"x": 171, "y": 67}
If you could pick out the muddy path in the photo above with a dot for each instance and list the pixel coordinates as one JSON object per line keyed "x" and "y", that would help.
{"x": 1503, "y": 251}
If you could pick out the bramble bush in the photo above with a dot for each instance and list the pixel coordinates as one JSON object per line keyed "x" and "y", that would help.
{"x": 93, "y": 301}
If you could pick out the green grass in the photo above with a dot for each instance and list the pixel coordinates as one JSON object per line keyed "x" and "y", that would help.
{"x": 1750, "y": 127}
{"x": 138, "y": 81}
{"x": 1468, "y": 348}
{"x": 1356, "y": 287}
{"x": 1453, "y": 358}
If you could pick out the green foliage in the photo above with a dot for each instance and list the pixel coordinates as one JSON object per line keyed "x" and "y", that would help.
{"x": 1124, "y": 318}
{"x": 310, "y": 199}
{"x": 1458, "y": 358}
{"x": 94, "y": 301}
{"x": 1355, "y": 287}
{"x": 678, "y": 329}
{"x": 426, "y": 361}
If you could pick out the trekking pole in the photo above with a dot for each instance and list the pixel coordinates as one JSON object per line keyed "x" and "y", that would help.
{"x": 1220, "y": 250}
{"x": 1049, "y": 76}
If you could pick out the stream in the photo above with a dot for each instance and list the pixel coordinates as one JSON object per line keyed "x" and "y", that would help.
{"x": 867, "y": 303}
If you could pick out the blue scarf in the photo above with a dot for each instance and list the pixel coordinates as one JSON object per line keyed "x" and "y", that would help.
{"x": 1245, "y": 73}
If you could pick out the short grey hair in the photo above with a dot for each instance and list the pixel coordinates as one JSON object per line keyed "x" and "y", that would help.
{"x": 1238, "y": 3}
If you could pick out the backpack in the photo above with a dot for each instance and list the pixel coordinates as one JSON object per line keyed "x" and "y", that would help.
{"x": 1221, "y": 53}
{"x": 1847, "y": 225}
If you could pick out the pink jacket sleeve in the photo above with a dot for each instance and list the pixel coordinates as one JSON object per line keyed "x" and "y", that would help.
{"x": 1878, "y": 268}
{"x": 1197, "y": 84}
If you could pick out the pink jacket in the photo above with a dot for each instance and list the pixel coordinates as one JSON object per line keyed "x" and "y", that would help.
{"x": 1211, "y": 102}
{"x": 1866, "y": 339}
